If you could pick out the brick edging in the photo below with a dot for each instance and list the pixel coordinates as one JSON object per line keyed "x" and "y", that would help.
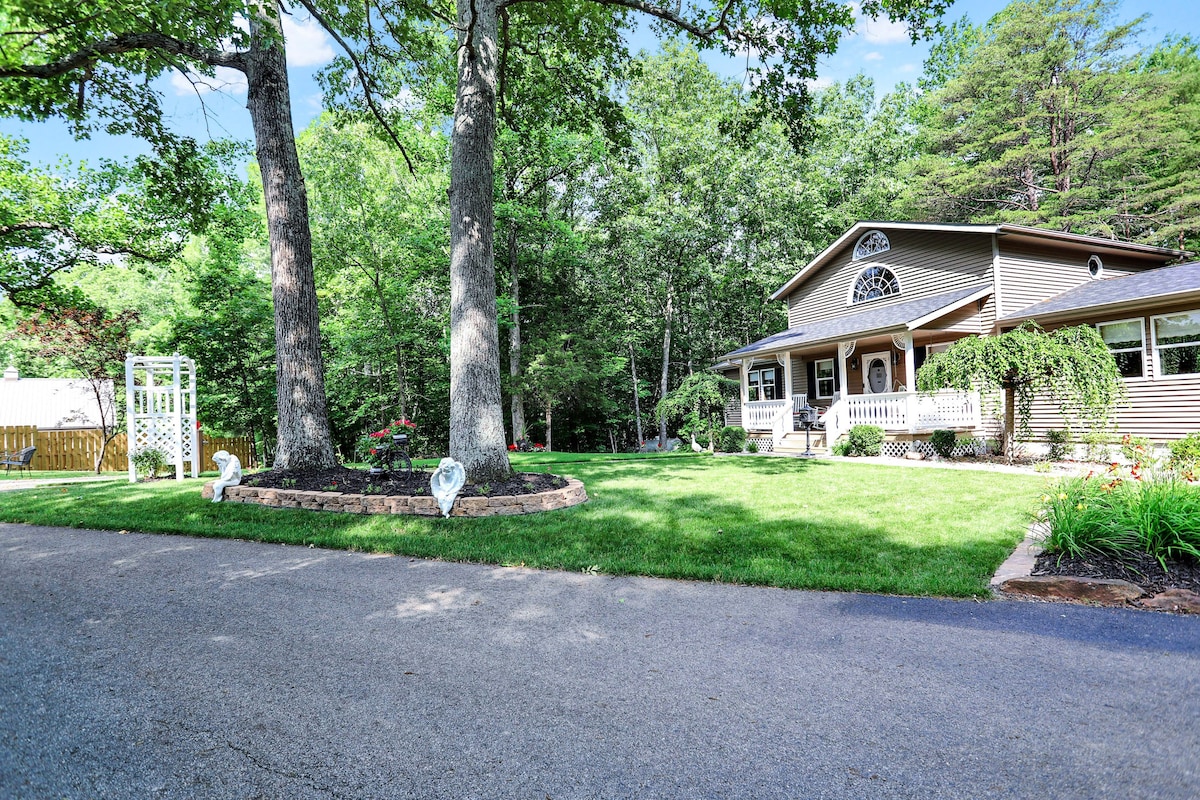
{"x": 419, "y": 505}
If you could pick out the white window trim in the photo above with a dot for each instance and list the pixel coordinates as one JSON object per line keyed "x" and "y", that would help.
{"x": 1099, "y": 265}
{"x": 1154, "y": 348}
{"x": 758, "y": 370}
{"x": 816, "y": 390}
{"x": 854, "y": 256}
{"x": 1141, "y": 321}
{"x": 864, "y": 268}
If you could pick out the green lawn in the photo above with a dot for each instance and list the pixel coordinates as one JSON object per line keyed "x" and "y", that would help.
{"x": 778, "y": 522}
{"x": 45, "y": 474}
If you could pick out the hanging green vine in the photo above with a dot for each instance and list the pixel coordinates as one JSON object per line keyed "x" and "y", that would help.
{"x": 1070, "y": 366}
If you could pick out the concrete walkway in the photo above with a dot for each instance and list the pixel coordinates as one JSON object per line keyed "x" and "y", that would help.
{"x": 153, "y": 666}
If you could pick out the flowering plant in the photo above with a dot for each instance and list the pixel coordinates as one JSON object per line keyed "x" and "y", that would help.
{"x": 375, "y": 448}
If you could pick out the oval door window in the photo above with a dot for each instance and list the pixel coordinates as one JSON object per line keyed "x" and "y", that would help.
{"x": 877, "y": 375}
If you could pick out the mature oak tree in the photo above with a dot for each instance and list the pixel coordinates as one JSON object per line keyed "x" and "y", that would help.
{"x": 91, "y": 63}
{"x": 787, "y": 37}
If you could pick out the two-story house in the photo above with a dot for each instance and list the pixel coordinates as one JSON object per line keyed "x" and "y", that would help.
{"x": 866, "y": 312}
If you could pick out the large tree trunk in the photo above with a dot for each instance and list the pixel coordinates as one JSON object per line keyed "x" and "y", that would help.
{"x": 549, "y": 429}
{"x": 476, "y": 413}
{"x": 514, "y": 339}
{"x": 304, "y": 439}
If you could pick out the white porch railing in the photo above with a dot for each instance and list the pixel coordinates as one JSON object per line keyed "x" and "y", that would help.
{"x": 768, "y": 415}
{"x": 908, "y": 412}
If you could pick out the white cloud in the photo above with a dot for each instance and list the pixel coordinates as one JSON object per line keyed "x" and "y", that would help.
{"x": 307, "y": 43}
{"x": 817, "y": 84}
{"x": 873, "y": 56}
{"x": 884, "y": 31}
{"x": 226, "y": 80}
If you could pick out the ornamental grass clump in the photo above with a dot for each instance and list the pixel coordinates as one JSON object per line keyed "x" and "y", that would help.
{"x": 1124, "y": 511}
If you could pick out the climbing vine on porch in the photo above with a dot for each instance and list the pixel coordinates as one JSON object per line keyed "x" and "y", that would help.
{"x": 1070, "y": 366}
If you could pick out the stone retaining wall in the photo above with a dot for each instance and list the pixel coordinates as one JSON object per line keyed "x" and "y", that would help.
{"x": 424, "y": 505}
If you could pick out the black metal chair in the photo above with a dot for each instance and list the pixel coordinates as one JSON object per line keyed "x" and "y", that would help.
{"x": 22, "y": 460}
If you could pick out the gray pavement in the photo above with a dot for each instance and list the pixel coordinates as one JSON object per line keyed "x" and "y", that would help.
{"x": 149, "y": 666}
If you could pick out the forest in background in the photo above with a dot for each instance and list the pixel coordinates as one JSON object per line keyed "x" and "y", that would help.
{"x": 640, "y": 228}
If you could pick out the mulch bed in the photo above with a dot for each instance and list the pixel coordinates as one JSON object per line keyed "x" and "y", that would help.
{"x": 356, "y": 481}
{"x": 1138, "y": 568}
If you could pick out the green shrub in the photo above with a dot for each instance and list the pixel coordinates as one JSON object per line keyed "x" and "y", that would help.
{"x": 943, "y": 443}
{"x": 732, "y": 439}
{"x": 1118, "y": 514}
{"x": 865, "y": 440}
{"x": 970, "y": 445}
{"x": 1098, "y": 449}
{"x": 841, "y": 448}
{"x": 1185, "y": 453}
{"x": 1136, "y": 449}
{"x": 1059, "y": 442}
{"x": 751, "y": 447}
{"x": 149, "y": 462}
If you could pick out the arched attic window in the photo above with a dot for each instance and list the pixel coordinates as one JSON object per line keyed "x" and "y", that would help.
{"x": 871, "y": 243}
{"x": 873, "y": 282}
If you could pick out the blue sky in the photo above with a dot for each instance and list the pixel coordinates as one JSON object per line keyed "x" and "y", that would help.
{"x": 879, "y": 49}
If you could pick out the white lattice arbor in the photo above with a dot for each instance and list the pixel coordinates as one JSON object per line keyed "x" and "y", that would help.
{"x": 160, "y": 401}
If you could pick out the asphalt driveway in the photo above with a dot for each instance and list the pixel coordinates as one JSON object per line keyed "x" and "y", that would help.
{"x": 152, "y": 666}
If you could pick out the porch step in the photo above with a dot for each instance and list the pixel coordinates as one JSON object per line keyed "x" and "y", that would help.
{"x": 794, "y": 443}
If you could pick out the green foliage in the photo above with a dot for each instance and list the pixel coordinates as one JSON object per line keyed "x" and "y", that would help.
{"x": 1119, "y": 513}
{"x": 1059, "y": 442}
{"x": 864, "y": 440}
{"x": 148, "y": 462}
{"x": 1098, "y": 446}
{"x": 751, "y": 446}
{"x": 1185, "y": 452}
{"x": 1136, "y": 449}
{"x": 1049, "y": 115}
{"x": 732, "y": 439}
{"x": 943, "y": 442}
{"x": 700, "y": 401}
{"x": 841, "y": 448}
{"x": 1071, "y": 366}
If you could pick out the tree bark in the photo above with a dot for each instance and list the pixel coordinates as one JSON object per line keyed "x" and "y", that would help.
{"x": 549, "y": 420}
{"x": 1009, "y": 442}
{"x": 476, "y": 414}
{"x": 304, "y": 439}
{"x": 637, "y": 403}
{"x": 666, "y": 362}
{"x": 514, "y": 339}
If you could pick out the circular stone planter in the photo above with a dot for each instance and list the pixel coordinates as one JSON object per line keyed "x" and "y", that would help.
{"x": 418, "y": 505}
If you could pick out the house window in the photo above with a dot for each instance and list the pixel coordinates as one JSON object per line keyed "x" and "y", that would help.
{"x": 1095, "y": 266}
{"x": 1176, "y": 343}
{"x": 762, "y": 384}
{"x": 823, "y": 369}
{"x": 874, "y": 281}
{"x": 871, "y": 243}
{"x": 1126, "y": 342}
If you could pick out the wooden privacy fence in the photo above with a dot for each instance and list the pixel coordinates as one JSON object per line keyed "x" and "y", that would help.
{"x": 77, "y": 449}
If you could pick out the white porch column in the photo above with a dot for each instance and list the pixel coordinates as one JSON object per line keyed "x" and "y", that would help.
{"x": 787, "y": 375}
{"x": 744, "y": 372}
{"x": 845, "y": 350}
{"x": 910, "y": 366}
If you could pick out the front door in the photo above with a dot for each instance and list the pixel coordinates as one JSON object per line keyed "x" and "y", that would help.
{"x": 877, "y": 373}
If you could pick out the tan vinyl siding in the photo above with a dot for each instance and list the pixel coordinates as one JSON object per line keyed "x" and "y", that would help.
{"x": 1030, "y": 274}
{"x": 970, "y": 319}
{"x": 1161, "y": 408}
{"x": 924, "y": 262}
{"x": 733, "y": 409}
{"x": 799, "y": 376}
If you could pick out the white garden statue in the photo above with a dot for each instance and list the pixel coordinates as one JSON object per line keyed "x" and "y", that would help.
{"x": 231, "y": 473}
{"x": 447, "y": 481}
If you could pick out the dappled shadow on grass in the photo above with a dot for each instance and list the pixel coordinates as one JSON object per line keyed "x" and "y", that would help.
{"x": 735, "y": 520}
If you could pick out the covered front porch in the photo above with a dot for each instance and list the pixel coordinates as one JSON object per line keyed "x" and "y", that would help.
{"x": 836, "y": 374}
